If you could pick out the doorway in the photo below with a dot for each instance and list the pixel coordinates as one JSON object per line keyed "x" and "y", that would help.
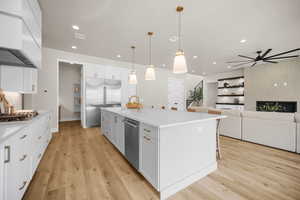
{"x": 69, "y": 107}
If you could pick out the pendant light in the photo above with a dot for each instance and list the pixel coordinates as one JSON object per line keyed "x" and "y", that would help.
{"x": 132, "y": 75}
{"x": 150, "y": 71}
{"x": 179, "y": 66}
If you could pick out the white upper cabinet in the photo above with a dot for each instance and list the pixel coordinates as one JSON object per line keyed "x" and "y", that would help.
{"x": 95, "y": 71}
{"x": 11, "y": 78}
{"x": 29, "y": 80}
{"x": 113, "y": 73}
{"x": 18, "y": 79}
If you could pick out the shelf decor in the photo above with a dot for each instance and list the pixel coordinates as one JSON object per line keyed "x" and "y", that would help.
{"x": 231, "y": 92}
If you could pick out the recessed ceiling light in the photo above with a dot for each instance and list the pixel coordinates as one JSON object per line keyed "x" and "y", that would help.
{"x": 75, "y": 27}
{"x": 204, "y": 73}
{"x": 229, "y": 67}
{"x": 118, "y": 56}
{"x": 243, "y": 41}
{"x": 214, "y": 62}
{"x": 193, "y": 70}
{"x": 163, "y": 65}
{"x": 195, "y": 57}
{"x": 173, "y": 38}
{"x": 74, "y": 47}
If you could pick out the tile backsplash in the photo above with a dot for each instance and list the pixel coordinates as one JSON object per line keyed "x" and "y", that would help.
{"x": 15, "y": 99}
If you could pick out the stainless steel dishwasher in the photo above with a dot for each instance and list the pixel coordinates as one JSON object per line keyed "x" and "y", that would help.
{"x": 132, "y": 142}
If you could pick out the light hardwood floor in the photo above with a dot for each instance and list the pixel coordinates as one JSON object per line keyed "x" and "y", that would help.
{"x": 80, "y": 164}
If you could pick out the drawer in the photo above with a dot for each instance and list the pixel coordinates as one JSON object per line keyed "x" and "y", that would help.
{"x": 149, "y": 131}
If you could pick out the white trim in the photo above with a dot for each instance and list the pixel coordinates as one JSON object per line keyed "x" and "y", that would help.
{"x": 54, "y": 130}
{"x": 69, "y": 119}
{"x": 169, "y": 191}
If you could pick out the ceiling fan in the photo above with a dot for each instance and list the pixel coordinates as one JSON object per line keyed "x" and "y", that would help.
{"x": 263, "y": 58}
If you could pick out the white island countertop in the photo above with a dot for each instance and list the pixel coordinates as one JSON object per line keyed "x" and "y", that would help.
{"x": 163, "y": 118}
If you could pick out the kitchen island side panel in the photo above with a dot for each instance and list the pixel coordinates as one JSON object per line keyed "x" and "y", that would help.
{"x": 186, "y": 150}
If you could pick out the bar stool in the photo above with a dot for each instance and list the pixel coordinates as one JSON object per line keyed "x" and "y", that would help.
{"x": 218, "y": 150}
{"x": 163, "y": 107}
{"x": 174, "y": 108}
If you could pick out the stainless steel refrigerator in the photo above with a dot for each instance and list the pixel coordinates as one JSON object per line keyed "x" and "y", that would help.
{"x": 100, "y": 93}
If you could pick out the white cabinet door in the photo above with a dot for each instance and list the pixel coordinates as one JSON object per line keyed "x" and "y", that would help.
{"x": 148, "y": 153}
{"x": 11, "y": 78}
{"x": 29, "y": 80}
{"x": 95, "y": 71}
{"x": 120, "y": 134}
{"x": 113, "y": 73}
{"x": 17, "y": 168}
{"x": 2, "y": 161}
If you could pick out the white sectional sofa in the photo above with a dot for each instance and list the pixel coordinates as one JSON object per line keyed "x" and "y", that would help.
{"x": 232, "y": 125}
{"x": 279, "y": 130}
{"x": 270, "y": 128}
{"x": 297, "y": 117}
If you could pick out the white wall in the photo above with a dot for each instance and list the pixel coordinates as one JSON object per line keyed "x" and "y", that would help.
{"x": 152, "y": 92}
{"x": 68, "y": 76}
{"x": 207, "y": 94}
{"x": 260, "y": 80}
{"x": 212, "y": 93}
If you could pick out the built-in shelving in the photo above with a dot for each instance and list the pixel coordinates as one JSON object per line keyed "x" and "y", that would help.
{"x": 233, "y": 104}
{"x": 231, "y": 93}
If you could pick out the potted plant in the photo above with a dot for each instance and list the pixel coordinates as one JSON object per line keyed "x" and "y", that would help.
{"x": 196, "y": 95}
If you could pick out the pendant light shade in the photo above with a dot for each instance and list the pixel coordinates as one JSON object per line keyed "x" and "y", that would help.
{"x": 150, "y": 71}
{"x": 132, "y": 78}
{"x": 132, "y": 75}
{"x": 180, "y": 65}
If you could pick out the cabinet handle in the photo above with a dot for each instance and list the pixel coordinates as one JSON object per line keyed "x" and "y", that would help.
{"x": 7, "y": 148}
{"x": 147, "y": 130}
{"x": 145, "y": 137}
{"x": 24, "y": 184}
{"x": 33, "y": 87}
{"x": 40, "y": 137}
{"x": 39, "y": 155}
{"x": 23, "y": 158}
{"x": 24, "y": 136}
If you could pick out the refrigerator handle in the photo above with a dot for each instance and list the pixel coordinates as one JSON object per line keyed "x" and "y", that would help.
{"x": 104, "y": 95}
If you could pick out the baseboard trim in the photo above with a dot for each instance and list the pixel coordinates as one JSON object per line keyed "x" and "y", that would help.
{"x": 69, "y": 119}
{"x": 169, "y": 191}
{"x": 54, "y": 130}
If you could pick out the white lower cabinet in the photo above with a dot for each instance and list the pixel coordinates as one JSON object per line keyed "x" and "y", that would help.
{"x": 149, "y": 154}
{"x": 21, "y": 155}
{"x": 112, "y": 127}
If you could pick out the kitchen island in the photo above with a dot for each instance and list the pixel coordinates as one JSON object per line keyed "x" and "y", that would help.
{"x": 171, "y": 149}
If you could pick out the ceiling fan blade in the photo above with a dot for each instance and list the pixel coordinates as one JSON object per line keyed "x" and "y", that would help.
{"x": 242, "y": 64}
{"x": 253, "y": 64}
{"x": 264, "y": 55}
{"x": 276, "y": 58}
{"x": 268, "y": 61}
{"x": 283, "y": 53}
{"x": 238, "y": 61}
{"x": 246, "y": 57}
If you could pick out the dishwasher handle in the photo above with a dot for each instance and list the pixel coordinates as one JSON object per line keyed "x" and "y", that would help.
{"x": 131, "y": 124}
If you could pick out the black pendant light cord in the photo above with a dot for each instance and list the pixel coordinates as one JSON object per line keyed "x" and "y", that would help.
{"x": 150, "y": 49}
{"x": 133, "y": 58}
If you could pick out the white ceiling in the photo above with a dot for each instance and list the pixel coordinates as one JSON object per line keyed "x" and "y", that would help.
{"x": 212, "y": 29}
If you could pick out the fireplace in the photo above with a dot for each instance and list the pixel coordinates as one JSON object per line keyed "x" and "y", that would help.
{"x": 277, "y": 106}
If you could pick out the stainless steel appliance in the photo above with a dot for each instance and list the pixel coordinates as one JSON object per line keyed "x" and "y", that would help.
{"x": 100, "y": 93}
{"x": 132, "y": 142}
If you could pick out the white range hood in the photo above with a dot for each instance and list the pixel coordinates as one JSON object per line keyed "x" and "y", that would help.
{"x": 20, "y": 35}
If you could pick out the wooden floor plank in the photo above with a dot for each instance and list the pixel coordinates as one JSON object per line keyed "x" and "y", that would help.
{"x": 82, "y": 164}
